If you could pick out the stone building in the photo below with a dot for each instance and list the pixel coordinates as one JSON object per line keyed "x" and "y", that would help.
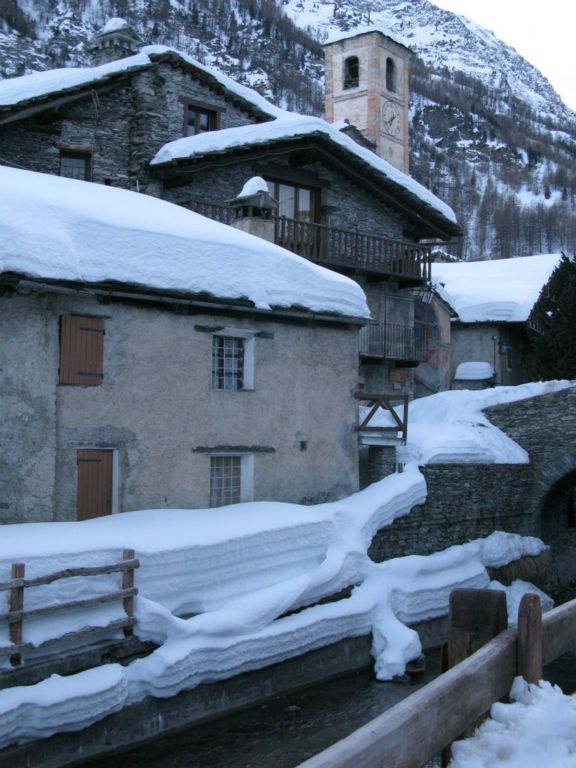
{"x": 151, "y": 358}
{"x": 492, "y": 301}
{"x": 160, "y": 123}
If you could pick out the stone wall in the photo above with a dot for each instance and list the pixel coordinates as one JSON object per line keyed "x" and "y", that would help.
{"x": 156, "y": 408}
{"x": 465, "y": 502}
{"x": 123, "y": 126}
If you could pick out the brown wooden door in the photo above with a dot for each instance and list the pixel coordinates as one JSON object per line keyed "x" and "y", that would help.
{"x": 94, "y": 490}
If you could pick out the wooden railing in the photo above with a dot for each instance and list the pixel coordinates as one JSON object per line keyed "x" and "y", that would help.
{"x": 346, "y": 248}
{"x": 392, "y": 341}
{"x": 352, "y": 249}
{"x": 214, "y": 211}
{"x": 17, "y": 612}
{"x": 420, "y": 727}
{"x": 389, "y": 404}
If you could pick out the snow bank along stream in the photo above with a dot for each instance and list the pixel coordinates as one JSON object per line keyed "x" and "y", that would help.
{"x": 240, "y": 570}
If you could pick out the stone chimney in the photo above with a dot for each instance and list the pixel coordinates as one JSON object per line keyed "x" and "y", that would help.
{"x": 367, "y": 84}
{"x": 116, "y": 40}
{"x": 254, "y": 209}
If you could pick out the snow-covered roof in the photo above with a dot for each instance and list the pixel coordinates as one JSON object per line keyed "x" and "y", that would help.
{"x": 335, "y": 36}
{"x": 503, "y": 290}
{"x": 474, "y": 371}
{"x": 41, "y": 85}
{"x": 114, "y": 25}
{"x": 63, "y": 229}
{"x": 290, "y": 126}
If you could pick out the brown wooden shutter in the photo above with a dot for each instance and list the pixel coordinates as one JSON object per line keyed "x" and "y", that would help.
{"x": 81, "y": 350}
{"x": 94, "y": 489}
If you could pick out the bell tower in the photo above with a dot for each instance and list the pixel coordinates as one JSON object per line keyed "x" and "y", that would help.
{"x": 367, "y": 84}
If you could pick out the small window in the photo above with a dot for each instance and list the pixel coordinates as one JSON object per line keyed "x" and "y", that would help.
{"x": 231, "y": 479}
{"x": 199, "y": 120}
{"x": 390, "y": 75}
{"x": 81, "y": 350}
{"x": 351, "y": 72}
{"x": 227, "y": 363}
{"x": 76, "y": 165}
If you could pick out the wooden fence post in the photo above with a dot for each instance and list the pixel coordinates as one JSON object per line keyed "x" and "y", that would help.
{"x": 530, "y": 638}
{"x": 128, "y": 583}
{"x": 16, "y": 605}
{"x": 475, "y": 616}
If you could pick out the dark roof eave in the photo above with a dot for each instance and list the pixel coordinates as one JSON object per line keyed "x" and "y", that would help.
{"x": 195, "y": 302}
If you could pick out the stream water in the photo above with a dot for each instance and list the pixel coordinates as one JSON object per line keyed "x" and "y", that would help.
{"x": 285, "y": 732}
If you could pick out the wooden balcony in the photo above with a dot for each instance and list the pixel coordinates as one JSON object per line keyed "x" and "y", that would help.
{"x": 394, "y": 342}
{"x": 345, "y": 249}
{"x": 354, "y": 250}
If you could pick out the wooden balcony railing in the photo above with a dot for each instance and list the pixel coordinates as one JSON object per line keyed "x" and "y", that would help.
{"x": 392, "y": 341}
{"x": 333, "y": 247}
{"x": 352, "y": 249}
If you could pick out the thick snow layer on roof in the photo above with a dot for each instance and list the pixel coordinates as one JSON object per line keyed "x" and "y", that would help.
{"x": 474, "y": 371}
{"x": 503, "y": 290}
{"x": 62, "y": 229}
{"x": 538, "y": 728}
{"x": 243, "y": 567}
{"x": 51, "y": 82}
{"x": 451, "y": 428}
{"x": 287, "y": 127}
{"x": 114, "y": 24}
{"x": 335, "y": 36}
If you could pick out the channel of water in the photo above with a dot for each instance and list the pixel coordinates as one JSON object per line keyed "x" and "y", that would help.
{"x": 286, "y": 731}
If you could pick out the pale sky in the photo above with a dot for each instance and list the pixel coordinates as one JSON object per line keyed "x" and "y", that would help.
{"x": 542, "y": 32}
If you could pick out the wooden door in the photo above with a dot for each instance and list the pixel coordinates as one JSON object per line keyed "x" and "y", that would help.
{"x": 94, "y": 489}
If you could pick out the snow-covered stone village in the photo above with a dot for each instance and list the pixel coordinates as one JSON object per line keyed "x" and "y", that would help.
{"x": 288, "y": 389}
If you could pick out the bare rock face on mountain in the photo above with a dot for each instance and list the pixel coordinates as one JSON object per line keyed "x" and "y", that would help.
{"x": 489, "y": 135}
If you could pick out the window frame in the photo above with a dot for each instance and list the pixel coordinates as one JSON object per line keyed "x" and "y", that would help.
{"x": 77, "y": 154}
{"x": 213, "y": 112}
{"x": 246, "y": 478}
{"x": 315, "y": 197}
{"x": 349, "y": 81}
{"x": 248, "y": 339}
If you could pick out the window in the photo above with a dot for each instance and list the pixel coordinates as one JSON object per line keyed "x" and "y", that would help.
{"x": 390, "y": 75}
{"x": 76, "y": 165}
{"x": 351, "y": 72}
{"x": 199, "y": 117}
{"x": 231, "y": 479}
{"x": 81, "y": 350}
{"x": 233, "y": 360}
{"x": 295, "y": 201}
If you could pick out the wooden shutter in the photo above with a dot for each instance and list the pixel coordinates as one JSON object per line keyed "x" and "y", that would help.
{"x": 81, "y": 350}
{"x": 94, "y": 489}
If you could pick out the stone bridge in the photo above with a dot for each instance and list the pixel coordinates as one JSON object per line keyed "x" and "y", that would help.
{"x": 466, "y": 501}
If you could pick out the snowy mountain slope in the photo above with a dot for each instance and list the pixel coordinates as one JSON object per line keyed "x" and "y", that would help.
{"x": 489, "y": 135}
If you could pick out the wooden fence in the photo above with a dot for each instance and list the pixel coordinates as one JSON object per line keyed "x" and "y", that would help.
{"x": 414, "y": 731}
{"x": 17, "y": 612}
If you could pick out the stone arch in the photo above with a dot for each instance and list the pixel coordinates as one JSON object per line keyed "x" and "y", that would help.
{"x": 351, "y": 72}
{"x": 557, "y": 519}
{"x": 391, "y": 75}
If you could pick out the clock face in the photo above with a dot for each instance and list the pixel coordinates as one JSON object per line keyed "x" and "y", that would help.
{"x": 391, "y": 122}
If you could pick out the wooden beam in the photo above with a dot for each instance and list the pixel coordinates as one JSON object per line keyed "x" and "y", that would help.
{"x": 530, "y": 638}
{"x": 68, "y": 573}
